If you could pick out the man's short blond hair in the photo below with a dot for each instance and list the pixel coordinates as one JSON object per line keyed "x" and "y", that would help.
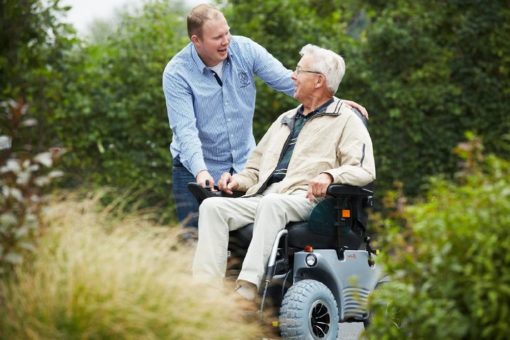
{"x": 198, "y": 16}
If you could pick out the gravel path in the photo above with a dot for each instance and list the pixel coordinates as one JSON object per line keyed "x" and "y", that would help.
{"x": 350, "y": 330}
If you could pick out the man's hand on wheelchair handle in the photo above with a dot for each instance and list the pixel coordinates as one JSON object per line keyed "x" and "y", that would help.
{"x": 204, "y": 179}
{"x": 227, "y": 183}
{"x": 318, "y": 186}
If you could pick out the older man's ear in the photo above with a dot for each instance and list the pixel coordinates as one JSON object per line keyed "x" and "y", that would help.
{"x": 318, "y": 82}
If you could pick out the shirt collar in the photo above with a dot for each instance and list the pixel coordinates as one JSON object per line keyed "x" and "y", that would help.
{"x": 194, "y": 54}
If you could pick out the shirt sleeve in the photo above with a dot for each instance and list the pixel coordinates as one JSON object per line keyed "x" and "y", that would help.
{"x": 181, "y": 116}
{"x": 356, "y": 155}
{"x": 270, "y": 70}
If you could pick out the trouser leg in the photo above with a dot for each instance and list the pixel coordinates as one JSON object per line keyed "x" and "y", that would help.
{"x": 274, "y": 211}
{"x": 185, "y": 203}
{"x": 219, "y": 215}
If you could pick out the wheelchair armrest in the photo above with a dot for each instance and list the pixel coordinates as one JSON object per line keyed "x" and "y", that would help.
{"x": 351, "y": 218}
{"x": 340, "y": 190}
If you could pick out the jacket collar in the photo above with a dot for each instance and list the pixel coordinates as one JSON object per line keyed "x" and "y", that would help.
{"x": 332, "y": 109}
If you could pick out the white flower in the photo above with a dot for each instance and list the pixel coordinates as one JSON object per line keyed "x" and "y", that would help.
{"x": 12, "y": 165}
{"x": 23, "y": 178}
{"x": 44, "y": 158}
{"x": 55, "y": 174}
{"x": 5, "y": 142}
{"x": 42, "y": 181}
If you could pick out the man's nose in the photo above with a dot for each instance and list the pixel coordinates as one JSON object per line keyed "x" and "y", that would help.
{"x": 225, "y": 40}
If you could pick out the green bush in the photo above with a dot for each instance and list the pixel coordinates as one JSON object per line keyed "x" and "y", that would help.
{"x": 428, "y": 71}
{"x": 34, "y": 43}
{"x": 450, "y": 264}
{"x": 113, "y": 118}
{"x": 24, "y": 176}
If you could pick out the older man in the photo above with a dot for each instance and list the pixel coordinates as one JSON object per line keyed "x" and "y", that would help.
{"x": 320, "y": 142}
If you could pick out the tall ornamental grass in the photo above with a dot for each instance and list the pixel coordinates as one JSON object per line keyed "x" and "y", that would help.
{"x": 97, "y": 277}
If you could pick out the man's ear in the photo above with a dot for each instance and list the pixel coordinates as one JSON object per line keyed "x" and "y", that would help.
{"x": 194, "y": 39}
{"x": 320, "y": 81}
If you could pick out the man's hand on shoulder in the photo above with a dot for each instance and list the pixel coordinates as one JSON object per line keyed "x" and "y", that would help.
{"x": 227, "y": 183}
{"x": 357, "y": 106}
{"x": 204, "y": 178}
{"x": 318, "y": 186}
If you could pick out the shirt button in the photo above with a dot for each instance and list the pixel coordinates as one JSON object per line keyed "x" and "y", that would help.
{"x": 228, "y": 120}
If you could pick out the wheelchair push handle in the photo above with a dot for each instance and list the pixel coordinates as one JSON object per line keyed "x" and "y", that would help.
{"x": 208, "y": 185}
{"x": 201, "y": 193}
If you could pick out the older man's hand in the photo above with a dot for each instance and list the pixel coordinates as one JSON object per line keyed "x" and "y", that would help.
{"x": 318, "y": 186}
{"x": 227, "y": 183}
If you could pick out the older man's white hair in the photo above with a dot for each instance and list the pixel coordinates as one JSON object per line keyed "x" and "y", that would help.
{"x": 327, "y": 62}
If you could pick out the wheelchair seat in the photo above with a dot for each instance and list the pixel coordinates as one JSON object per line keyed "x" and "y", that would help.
{"x": 299, "y": 236}
{"x": 338, "y": 222}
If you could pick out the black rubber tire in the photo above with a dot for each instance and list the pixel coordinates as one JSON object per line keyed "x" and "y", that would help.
{"x": 309, "y": 311}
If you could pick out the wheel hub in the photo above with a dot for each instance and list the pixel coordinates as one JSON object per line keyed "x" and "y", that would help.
{"x": 320, "y": 319}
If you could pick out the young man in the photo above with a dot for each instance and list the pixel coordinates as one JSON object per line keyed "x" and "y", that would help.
{"x": 320, "y": 142}
{"x": 210, "y": 93}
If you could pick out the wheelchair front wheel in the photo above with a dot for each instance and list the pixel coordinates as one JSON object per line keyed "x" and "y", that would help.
{"x": 309, "y": 311}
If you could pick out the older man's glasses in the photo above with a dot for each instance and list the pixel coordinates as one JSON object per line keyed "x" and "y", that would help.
{"x": 299, "y": 70}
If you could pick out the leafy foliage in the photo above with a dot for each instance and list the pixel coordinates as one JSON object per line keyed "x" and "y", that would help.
{"x": 34, "y": 42}
{"x": 449, "y": 265}
{"x": 429, "y": 72}
{"x": 114, "y": 117}
{"x": 23, "y": 178}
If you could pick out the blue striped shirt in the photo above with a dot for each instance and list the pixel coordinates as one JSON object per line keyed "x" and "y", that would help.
{"x": 212, "y": 125}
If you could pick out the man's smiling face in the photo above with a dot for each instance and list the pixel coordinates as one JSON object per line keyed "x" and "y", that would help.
{"x": 212, "y": 45}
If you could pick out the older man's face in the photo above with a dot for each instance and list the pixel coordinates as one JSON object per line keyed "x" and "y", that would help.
{"x": 305, "y": 79}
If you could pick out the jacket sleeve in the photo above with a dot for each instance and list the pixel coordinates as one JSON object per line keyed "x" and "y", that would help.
{"x": 250, "y": 175}
{"x": 355, "y": 154}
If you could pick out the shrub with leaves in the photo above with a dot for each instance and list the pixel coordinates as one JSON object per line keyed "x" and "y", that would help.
{"x": 24, "y": 174}
{"x": 450, "y": 263}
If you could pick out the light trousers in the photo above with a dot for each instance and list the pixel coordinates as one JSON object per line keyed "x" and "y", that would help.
{"x": 269, "y": 212}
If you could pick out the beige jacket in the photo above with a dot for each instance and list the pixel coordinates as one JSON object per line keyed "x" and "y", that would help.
{"x": 335, "y": 141}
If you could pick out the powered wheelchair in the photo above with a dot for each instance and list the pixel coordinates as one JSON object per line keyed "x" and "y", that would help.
{"x": 321, "y": 271}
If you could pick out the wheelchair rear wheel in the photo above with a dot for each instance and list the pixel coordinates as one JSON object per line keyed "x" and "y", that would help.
{"x": 309, "y": 311}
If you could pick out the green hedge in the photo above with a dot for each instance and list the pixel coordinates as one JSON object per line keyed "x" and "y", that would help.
{"x": 450, "y": 265}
